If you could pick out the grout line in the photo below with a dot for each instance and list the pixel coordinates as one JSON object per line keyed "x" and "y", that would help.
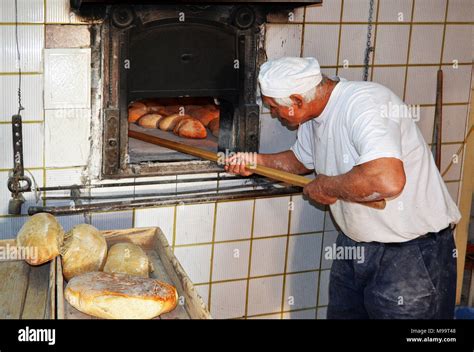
{"x": 375, "y": 41}
{"x": 339, "y": 38}
{"x": 175, "y": 214}
{"x": 408, "y": 50}
{"x": 286, "y": 311}
{"x": 287, "y": 245}
{"x": 259, "y": 277}
{"x": 321, "y": 260}
{"x": 444, "y": 34}
{"x": 388, "y": 23}
{"x": 303, "y": 33}
{"x": 250, "y": 261}
{"x": 212, "y": 257}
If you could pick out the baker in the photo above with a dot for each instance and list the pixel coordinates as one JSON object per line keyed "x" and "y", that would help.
{"x": 363, "y": 144}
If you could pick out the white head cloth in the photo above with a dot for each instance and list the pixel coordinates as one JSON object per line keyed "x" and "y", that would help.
{"x": 283, "y": 77}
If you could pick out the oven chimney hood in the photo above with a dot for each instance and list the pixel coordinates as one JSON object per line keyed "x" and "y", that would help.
{"x": 76, "y": 4}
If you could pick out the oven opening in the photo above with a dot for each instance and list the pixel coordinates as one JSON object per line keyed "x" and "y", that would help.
{"x": 190, "y": 121}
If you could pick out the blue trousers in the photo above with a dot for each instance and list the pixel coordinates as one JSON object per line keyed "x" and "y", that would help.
{"x": 410, "y": 280}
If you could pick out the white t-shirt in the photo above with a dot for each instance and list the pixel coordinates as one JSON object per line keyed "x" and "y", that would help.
{"x": 363, "y": 121}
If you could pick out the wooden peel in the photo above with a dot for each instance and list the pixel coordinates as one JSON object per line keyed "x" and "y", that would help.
{"x": 275, "y": 174}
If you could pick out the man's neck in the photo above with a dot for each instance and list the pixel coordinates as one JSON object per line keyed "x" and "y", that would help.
{"x": 320, "y": 103}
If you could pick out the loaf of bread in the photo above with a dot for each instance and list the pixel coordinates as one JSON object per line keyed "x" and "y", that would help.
{"x": 127, "y": 258}
{"x": 214, "y": 127}
{"x": 120, "y": 296}
{"x": 41, "y": 237}
{"x": 190, "y": 128}
{"x": 205, "y": 114}
{"x": 136, "y": 110}
{"x": 150, "y": 120}
{"x": 153, "y": 106}
{"x": 84, "y": 250}
{"x": 169, "y": 122}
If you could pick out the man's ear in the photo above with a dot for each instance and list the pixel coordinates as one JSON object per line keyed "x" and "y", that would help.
{"x": 297, "y": 100}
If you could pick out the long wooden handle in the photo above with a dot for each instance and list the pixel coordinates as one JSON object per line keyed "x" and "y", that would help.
{"x": 275, "y": 174}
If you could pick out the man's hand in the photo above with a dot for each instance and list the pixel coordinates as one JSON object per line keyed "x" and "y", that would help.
{"x": 314, "y": 190}
{"x": 236, "y": 164}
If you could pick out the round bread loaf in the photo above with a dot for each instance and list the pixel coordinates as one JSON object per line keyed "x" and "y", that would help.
{"x": 42, "y": 235}
{"x": 127, "y": 258}
{"x": 84, "y": 250}
{"x": 190, "y": 128}
{"x": 150, "y": 120}
{"x": 120, "y": 296}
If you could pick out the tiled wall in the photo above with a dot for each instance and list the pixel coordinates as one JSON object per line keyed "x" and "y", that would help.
{"x": 251, "y": 258}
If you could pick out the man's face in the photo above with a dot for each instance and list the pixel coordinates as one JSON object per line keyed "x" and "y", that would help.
{"x": 292, "y": 115}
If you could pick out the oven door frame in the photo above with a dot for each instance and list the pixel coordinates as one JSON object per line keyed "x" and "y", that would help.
{"x": 241, "y": 134}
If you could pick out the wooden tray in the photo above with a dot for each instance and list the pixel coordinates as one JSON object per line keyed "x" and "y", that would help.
{"x": 166, "y": 268}
{"x": 26, "y": 292}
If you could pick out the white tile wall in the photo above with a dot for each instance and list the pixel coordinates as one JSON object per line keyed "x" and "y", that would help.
{"x": 29, "y": 11}
{"x": 391, "y": 77}
{"x": 353, "y": 42}
{"x": 196, "y": 261}
{"x": 283, "y": 40}
{"x": 321, "y": 41}
{"x": 300, "y": 290}
{"x": 162, "y": 217}
{"x": 429, "y": 10}
{"x": 113, "y": 220}
{"x": 69, "y": 221}
{"x": 194, "y": 223}
{"x": 228, "y": 299}
{"x": 329, "y": 11}
{"x": 456, "y": 84}
{"x": 9, "y": 226}
{"x": 231, "y": 261}
{"x": 324, "y": 288}
{"x": 59, "y": 11}
{"x": 460, "y": 11}
{"x": 31, "y": 43}
{"x": 395, "y": 10}
{"x": 306, "y": 217}
{"x": 33, "y": 139}
{"x": 304, "y": 252}
{"x": 203, "y": 291}
{"x": 300, "y": 314}
{"x": 454, "y": 126}
{"x": 274, "y": 136}
{"x": 328, "y": 240}
{"x": 32, "y": 97}
{"x": 455, "y": 47}
{"x": 67, "y": 78}
{"x": 425, "y": 124}
{"x": 453, "y": 189}
{"x": 392, "y": 44}
{"x": 421, "y": 85}
{"x": 352, "y": 73}
{"x": 426, "y": 42}
{"x": 234, "y": 220}
{"x": 329, "y": 223}
{"x": 448, "y": 153}
{"x": 67, "y": 137}
{"x": 321, "y": 313}
{"x": 268, "y": 256}
{"x": 271, "y": 216}
{"x": 265, "y": 295}
{"x": 357, "y": 10}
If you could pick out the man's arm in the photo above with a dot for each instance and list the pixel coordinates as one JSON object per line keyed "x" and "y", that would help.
{"x": 285, "y": 161}
{"x": 375, "y": 180}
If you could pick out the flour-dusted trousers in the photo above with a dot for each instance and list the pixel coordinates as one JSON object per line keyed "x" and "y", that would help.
{"x": 409, "y": 280}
